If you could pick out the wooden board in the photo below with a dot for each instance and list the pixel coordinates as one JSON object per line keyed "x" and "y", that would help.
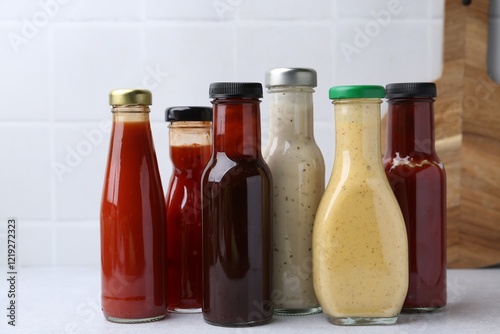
{"x": 467, "y": 116}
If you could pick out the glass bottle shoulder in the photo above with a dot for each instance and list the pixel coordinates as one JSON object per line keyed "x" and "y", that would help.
{"x": 222, "y": 166}
{"x": 364, "y": 201}
{"x": 132, "y": 153}
{"x": 293, "y": 150}
{"x": 359, "y": 184}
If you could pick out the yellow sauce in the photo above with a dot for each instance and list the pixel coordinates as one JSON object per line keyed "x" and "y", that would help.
{"x": 360, "y": 251}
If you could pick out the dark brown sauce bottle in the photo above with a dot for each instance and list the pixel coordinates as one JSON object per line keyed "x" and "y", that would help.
{"x": 236, "y": 190}
{"x": 418, "y": 180}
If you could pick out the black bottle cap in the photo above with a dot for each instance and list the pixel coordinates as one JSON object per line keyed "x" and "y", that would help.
{"x": 184, "y": 113}
{"x": 252, "y": 90}
{"x": 410, "y": 89}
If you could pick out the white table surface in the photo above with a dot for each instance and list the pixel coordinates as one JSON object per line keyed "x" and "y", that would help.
{"x": 67, "y": 300}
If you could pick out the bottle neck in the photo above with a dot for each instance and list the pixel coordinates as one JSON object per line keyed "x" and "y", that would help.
{"x": 236, "y": 126}
{"x": 131, "y": 128}
{"x": 131, "y": 135}
{"x": 192, "y": 133}
{"x": 410, "y": 126}
{"x": 357, "y": 123}
{"x": 291, "y": 112}
{"x": 190, "y": 145}
{"x": 131, "y": 113}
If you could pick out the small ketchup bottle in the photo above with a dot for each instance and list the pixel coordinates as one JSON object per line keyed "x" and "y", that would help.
{"x": 190, "y": 150}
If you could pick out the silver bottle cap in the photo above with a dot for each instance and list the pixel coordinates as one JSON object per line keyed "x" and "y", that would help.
{"x": 291, "y": 76}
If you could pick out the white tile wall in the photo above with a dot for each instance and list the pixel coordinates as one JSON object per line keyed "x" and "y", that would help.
{"x": 25, "y": 171}
{"x": 35, "y": 242}
{"x": 77, "y": 242}
{"x": 280, "y": 10}
{"x": 12, "y": 10}
{"x": 285, "y": 44}
{"x": 108, "y": 53}
{"x": 189, "y": 10}
{"x": 186, "y": 58}
{"x": 25, "y": 75}
{"x": 93, "y": 10}
{"x": 79, "y": 162}
{"x": 371, "y": 62}
{"x": 408, "y": 9}
{"x": 61, "y": 58}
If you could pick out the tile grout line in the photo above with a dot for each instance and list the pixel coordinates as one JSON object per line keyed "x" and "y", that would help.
{"x": 52, "y": 141}
{"x": 430, "y": 38}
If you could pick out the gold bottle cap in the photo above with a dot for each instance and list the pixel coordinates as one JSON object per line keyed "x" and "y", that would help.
{"x": 135, "y": 96}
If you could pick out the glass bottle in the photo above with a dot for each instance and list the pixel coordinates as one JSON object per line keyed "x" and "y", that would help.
{"x": 190, "y": 150}
{"x": 418, "y": 180}
{"x": 132, "y": 215}
{"x": 298, "y": 171}
{"x": 237, "y": 206}
{"x": 360, "y": 249}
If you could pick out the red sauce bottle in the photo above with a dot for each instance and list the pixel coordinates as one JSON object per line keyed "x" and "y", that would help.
{"x": 418, "y": 180}
{"x": 132, "y": 216}
{"x": 190, "y": 151}
{"x": 237, "y": 206}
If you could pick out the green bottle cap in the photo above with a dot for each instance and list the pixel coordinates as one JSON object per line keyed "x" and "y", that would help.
{"x": 357, "y": 92}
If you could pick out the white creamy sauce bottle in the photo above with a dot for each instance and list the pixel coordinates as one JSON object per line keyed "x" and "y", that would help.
{"x": 298, "y": 172}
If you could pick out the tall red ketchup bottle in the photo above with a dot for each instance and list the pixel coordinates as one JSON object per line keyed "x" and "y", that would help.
{"x": 132, "y": 215}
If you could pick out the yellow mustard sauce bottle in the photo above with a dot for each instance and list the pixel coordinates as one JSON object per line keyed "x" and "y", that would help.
{"x": 360, "y": 249}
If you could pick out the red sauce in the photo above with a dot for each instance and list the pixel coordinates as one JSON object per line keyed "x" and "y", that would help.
{"x": 237, "y": 219}
{"x": 420, "y": 188}
{"x": 132, "y": 226}
{"x": 184, "y": 253}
